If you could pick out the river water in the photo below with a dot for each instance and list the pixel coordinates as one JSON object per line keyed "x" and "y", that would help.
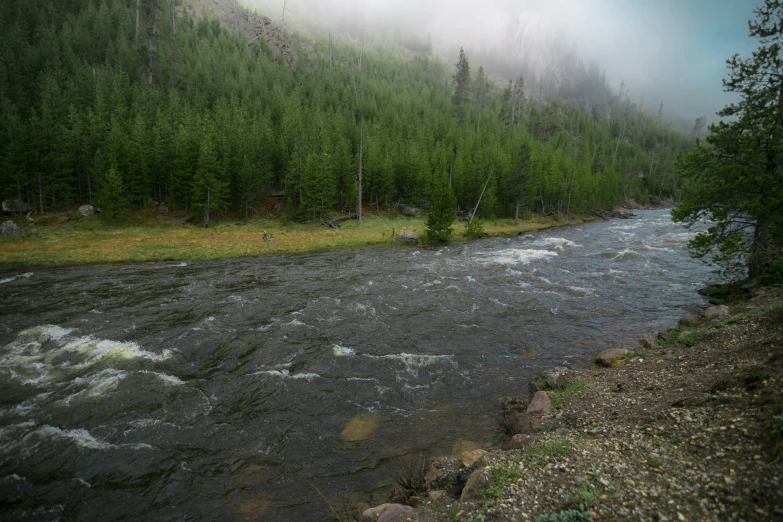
{"x": 221, "y": 390}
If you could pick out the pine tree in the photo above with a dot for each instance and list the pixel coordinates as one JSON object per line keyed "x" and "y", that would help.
{"x": 441, "y": 213}
{"x": 737, "y": 176}
{"x": 210, "y": 191}
{"x": 113, "y": 201}
{"x": 462, "y": 87}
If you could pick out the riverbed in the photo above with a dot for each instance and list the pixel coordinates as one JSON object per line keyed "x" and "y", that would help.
{"x": 222, "y": 390}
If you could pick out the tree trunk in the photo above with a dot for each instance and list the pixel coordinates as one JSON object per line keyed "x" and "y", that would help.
{"x": 516, "y": 214}
{"x": 137, "y": 18}
{"x": 40, "y": 193}
{"x": 206, "y": 212}
{"x": 758, "y": 263}
{"x": 359, "y": 191}
{"x": 475, "y": 209}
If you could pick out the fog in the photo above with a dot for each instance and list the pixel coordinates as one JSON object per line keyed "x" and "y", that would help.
{"x": 670, "y": 51}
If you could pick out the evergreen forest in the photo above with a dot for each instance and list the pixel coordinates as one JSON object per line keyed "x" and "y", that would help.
{"x": 136, "y": 103}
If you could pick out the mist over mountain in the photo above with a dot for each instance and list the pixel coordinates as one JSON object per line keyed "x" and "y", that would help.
{"x": 666, "y": 51}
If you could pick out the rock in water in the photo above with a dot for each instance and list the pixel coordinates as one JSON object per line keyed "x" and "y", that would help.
{"x": 610, "y": 356}
{"x": 9, "y": 229}
{"x": 86, "y": 211}
{"x": 360, "y": 427}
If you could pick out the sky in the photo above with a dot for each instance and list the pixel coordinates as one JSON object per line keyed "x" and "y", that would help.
{"x": 673, "y": 51}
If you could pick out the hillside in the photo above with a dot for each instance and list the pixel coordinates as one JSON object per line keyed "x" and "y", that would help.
{"x": 196, "y": 117}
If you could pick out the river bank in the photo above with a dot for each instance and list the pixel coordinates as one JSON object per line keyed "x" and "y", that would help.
{"x": 685, "y": 427}
{"x": 65, "y": 239}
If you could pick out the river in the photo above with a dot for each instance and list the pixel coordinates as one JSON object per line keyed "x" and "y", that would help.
{"x": 221, "y": 390}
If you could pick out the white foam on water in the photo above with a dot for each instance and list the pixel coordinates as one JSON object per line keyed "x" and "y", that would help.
{"x": 80, "y": 437}
{"x": 514, "y": 256}
{"x": 295, "y": 322}
{"x": 287, "y": 375}
{"x": 166, "y": 378}
{"x": 498, "y": 302}
{"x": 97, "y": 384}
{"x": 14, "y": 278}
{"x": 555, "y": 241}
{"x": 656, "y": 249}
{"x": 51, "y": 353}
{"x": 580, "y": 290}
{"x": 341, "y": 351}
{"x": 471, "y": 279}
{"x": 625, "y": 254}
{"x": 368, "y": 379}
{"x": 413, "y": 362}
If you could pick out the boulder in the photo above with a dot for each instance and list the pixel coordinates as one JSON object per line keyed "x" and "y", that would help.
{"x": 517, "y": 442}
{"x": 436, "y": 494}
{"x": 86, "y": 211}
{"x": 15, "y": 205}
{"x": 610, "y": 356}
{"x": 717, "y": 312}
{"x": 522, "y": 422}
{"x": 9, "y": 229}
{"x": 474, "y": 487}
{"x": 389, "y": 513}
{"x": 444, "y": 473}
{"x": 645, "y": 343}
{"x": 549, "y": 380}
{"x": 407, "y": 210}
{"x": 540, "y": 403}
{"x": 408, "y": 236}
{"x": 468, "y": 458}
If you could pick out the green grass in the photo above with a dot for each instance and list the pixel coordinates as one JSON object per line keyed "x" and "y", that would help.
{"x": 562, "y": 398}
{"x": 150, "y": 237}
{"x": 568, "y": 515}
{"x": 500, "y": 478}
{"x": 557, "y": 447}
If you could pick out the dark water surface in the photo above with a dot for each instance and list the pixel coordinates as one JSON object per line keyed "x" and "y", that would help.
{"x": 219, "y": 390}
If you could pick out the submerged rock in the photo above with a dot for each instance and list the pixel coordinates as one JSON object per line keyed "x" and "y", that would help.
{"x": 610, "y": 356}
{"x": 360, "y": 428}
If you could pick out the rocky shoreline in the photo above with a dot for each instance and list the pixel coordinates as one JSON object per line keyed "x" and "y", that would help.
{"x": 685, "y": 427}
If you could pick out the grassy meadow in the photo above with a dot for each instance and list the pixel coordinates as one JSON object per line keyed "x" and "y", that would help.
{"x": 69, "y": 240}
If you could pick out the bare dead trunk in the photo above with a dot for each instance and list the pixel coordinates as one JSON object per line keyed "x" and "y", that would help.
{"x": 475, "y": 209}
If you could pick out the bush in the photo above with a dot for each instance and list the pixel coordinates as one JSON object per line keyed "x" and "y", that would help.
{"x": 474, "y": 229}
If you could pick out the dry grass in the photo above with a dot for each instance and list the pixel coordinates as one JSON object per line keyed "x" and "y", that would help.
{"x": 78, "y": 241}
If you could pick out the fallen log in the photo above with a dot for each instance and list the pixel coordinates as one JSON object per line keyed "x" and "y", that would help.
{"x": 335, "y": 222}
